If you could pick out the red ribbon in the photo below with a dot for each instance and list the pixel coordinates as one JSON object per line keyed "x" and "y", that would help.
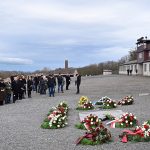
{"x": 129, "y": 132}
{"x": 87, "y": 135}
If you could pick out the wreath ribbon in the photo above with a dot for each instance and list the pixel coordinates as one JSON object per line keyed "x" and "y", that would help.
{"x": 129, "y": 132}
{"x": 113, "y": 123}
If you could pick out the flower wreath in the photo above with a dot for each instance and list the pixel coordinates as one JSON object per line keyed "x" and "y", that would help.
{"x": 102, "y": 100}
{"x": 84, "y": 104}
{"x": 108, "y": 104}
{"x": 56, "y": 118}
{"x": 127, "y": 120}
{"x": 95, "y": 136}
{"x": 89, "y": 122}
{"x": 139, "y": 134}
{"x": 128, "y": 100}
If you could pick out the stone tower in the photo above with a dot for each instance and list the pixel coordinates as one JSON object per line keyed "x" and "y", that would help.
{"x": 66, "y": 64}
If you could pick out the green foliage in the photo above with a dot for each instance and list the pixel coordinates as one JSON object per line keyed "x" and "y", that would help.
{"x": 99, "y": 103}
{"x": 137, "y": 138}
{"x": 89, "y": 142}
{"x": 80, "y": 126}
{"x": 79, "y": 108}
{"x": 46, "y": 120}
{"x": 110, "y": 117}
{"x": 118, "y": 125}
{"x": 107, "y": 107}
{"x": 45, "y": 125}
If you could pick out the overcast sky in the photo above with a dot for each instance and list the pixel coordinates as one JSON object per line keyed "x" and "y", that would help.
{"x": 43, "y": 33}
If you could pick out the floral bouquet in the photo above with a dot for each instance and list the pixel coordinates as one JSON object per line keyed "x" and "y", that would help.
{"x": 128, "y": 100}
{"x": 56, "y": 118}
{"x": 139, "y": 134}
{"x": 108, "y": 104}
{"x": 84, "y": 104}
{"x": 83, "y": 99}
{"x": 63, "y": 107}
{"x": 58, "y": 121}
{"x": 102, "y": 100}
{"x": 95, "y": 136}
{"x": 89, "y": 122}
{"x": 127, "y": 120}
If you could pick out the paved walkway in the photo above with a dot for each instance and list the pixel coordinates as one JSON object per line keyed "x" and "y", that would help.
{"x": 20, "y": 122}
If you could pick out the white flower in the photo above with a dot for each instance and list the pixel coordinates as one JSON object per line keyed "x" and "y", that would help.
{"x": 58, "y": 126}
{"x": 131, "y": 123}
{"x": 134, "y": 117}
{"x": 115, "y": 104}
{"x": 126, "y": 121}
{"x": 137, "y": 127}
{"x": 107, "y": 104}
{"x": 125, "y": 117}
{"x": 91, "y": 122}
{"x": 122, "y": 124}
{"x": 66, "y": 123}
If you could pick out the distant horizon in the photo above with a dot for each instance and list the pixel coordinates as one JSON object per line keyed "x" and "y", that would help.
{"x": 34, "y": 35}
{"x": 70, "y": 67}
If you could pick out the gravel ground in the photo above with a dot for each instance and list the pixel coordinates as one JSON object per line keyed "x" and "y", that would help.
{"x": 20, "y": 122}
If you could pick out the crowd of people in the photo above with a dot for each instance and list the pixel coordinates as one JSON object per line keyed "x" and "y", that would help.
{"x": 19, "y": 87}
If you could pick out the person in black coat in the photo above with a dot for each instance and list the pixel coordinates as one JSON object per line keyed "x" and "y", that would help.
{"x": 36, "y": 82}
{"x": 14, "y": 87}
{"x": 78, "y": 82}
{"x": 60, "y": 82}
{"x": 67, "y": 81}
{"x": 20, "y": 84}
{"x": 29, "y": 86}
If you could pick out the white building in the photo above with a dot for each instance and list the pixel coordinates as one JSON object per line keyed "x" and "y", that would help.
{"x": 141, "y": 66}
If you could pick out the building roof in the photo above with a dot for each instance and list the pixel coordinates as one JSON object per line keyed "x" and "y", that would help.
{"x": 131, "y": 62}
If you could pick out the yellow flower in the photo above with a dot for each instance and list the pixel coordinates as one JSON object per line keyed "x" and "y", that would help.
{"x": 83, "y": 100}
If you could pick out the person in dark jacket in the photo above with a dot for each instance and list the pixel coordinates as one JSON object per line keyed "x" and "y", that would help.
{"x": 2, "y": 91}
{"x": 78, "y": 82}
{"x": 51, "y": 85}
{"x": 67, "y": 81}
{"x": 60, "y": 83}
{"x": 8, "y": 92}
{"x": 24, "y": 86}
{"x": 29, "y": 86}
{"x": 14, "y": 87}
{"x": 36, "y": 82}
{"x": 20, "y": 84}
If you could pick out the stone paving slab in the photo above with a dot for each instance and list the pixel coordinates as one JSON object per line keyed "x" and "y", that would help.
{"x": 20, "y": 122}
{"x": 101, "y": 113}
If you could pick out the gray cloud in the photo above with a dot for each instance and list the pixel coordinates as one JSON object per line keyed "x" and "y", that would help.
{"x": 15, "y": 61}
{"x": 47, "y": 32}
